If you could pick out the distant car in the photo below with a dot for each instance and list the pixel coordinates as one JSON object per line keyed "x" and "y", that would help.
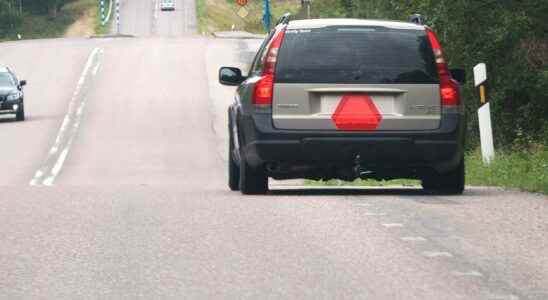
{"x": 346, "y": 99}
{"x": 11, "y": 94}
{"x": 167, "y": 4}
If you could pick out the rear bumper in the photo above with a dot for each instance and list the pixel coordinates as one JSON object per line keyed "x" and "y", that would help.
{"x": 439, "y": 149}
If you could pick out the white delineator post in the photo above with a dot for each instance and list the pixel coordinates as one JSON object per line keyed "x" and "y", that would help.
{"x": 117, "y": 16}
{"x": 484, "y": 115}
{"x": 102, "y": 12}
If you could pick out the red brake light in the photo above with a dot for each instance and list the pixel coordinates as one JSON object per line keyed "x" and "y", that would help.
{"x": 264, "y": 88}
{"x": 449, "y": 89}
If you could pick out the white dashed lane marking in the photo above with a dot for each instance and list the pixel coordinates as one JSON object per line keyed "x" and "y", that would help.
{"x": 58, "y": 153}
{"x": 437, "y": 254}
{"x": 375, "y": 214}
{"x": 413, "y": 239}
{"x": 504, "y": 297}
{"x": 392, "y": 225}
{"x": 467, "y": 274}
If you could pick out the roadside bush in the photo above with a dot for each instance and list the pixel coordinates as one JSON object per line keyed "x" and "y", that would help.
{"x": 9, "y": 18}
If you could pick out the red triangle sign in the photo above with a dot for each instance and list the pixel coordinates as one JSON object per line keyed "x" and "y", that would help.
{"x": 356, "y": 112}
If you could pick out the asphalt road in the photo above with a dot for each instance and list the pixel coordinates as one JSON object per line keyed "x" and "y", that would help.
{"x": 115, "y": 188}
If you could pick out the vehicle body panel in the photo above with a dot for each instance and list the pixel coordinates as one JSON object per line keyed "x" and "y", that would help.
{"x": 392, "y": 65}
{"x": 311, "y": 106}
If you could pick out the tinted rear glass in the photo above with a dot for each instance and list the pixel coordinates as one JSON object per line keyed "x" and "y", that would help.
{"x": 356, "y": 55}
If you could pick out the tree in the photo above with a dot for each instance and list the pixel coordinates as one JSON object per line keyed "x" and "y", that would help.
{"x": 9, "y": 17}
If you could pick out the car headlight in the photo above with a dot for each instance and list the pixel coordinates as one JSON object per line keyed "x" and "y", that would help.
{"x": 14, "y": 96}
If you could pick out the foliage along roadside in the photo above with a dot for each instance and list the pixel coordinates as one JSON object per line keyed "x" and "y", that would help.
{"x": 40, "y": 18}
{"x": 221, "y": 15}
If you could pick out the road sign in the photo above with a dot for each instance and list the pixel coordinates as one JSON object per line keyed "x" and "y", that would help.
{"x": 241, "y": 2}
{"x": 242, "y": 12}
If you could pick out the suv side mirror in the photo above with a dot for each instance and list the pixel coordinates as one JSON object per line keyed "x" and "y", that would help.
{"x": 230, "y": 76}
{"x": 459, "y": 75}
{"x": 22, "y": 83}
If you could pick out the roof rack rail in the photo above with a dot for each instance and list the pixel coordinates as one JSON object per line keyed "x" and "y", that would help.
{"x": 284, "y": 19}
{"x": 417, "y": 19}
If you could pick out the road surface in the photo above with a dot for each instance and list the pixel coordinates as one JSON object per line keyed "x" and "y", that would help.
{"x": 115, "y": 188}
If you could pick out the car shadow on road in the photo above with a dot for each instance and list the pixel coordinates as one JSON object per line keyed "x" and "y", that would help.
{"x": 349, "y": 191}
{"x": 378, "y": 191}
{"x": 9, "y": 119}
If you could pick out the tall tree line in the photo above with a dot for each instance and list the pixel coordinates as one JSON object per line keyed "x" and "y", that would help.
{"x": 511, "y": 36}
{"x": 20, "y": 7}
{"x": 12, "y": 12}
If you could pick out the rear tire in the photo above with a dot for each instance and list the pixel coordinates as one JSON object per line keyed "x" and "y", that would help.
{"x": 252, "y": 181}
{"x": 243, "y": 177}
{"x": 20, "y": 115}
{"x": 233, "y": 168}
{"x": 451, "y": 183}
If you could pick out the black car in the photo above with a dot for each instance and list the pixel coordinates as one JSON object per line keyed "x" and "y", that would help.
{"x": 345, "y": 99}
{"x": 11, "y": 94}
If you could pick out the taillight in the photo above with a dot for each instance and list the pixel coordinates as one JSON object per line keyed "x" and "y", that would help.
{"x": 264, "y": 87}
{"x": 449, "y": 88}
{"x": 263, "y": 90}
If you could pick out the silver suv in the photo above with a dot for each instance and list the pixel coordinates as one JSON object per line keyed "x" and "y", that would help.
{"x": 346, "y": 99}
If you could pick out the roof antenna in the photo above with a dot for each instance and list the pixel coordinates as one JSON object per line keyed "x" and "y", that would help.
{"x": 417, "y": 19}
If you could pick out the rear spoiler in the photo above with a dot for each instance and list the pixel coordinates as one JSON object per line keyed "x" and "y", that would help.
{"x": 284, "y": 19}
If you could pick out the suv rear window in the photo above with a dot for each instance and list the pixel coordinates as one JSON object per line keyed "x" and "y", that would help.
{"x": 358, "y": 55}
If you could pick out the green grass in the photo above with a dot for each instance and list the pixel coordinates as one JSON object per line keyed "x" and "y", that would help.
{"x": 523, "y": 169}
{"x": 221, "y": 15}
{"x": 201, "y": 14}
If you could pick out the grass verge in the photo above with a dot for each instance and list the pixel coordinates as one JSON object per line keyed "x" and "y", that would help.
{"x": 221, "y": 15}
{"x": 525, "y": 169}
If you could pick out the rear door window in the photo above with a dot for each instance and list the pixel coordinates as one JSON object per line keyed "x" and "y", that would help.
{"x": 356, "y": 55}
{"x": 257, "y": 65}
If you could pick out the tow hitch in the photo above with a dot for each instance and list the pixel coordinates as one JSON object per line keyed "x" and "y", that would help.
{"x": 359, "y": 170}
